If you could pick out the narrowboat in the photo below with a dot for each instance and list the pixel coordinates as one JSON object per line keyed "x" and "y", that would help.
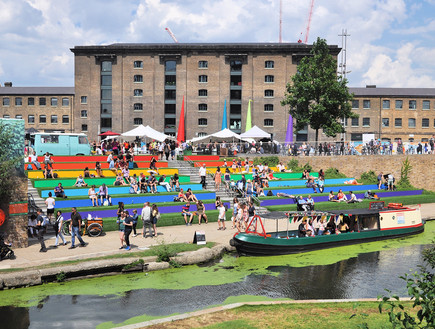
{"x": 378, "y": 222}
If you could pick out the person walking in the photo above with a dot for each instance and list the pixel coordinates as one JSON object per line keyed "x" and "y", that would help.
{"x": 58, "y": 229}
{"x": 135, "y": 217}
{"x": 41, "y": 226}
{"x": 203, "y": 175}
{"x": 146, "y": 219}
{"x": 128, "y": 226}
{"x": 221, "y": 218}
{"x": 50, "y": 202}
{"x": 121, "y": 228}
{"x": 218, "y": 179}
{"x": 75, "y": 225}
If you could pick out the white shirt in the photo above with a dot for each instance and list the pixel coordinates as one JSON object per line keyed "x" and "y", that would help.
{"x": 50, "y": 203}
{"x": 221, "y": 212}
{"x": 146, "y": 213}
{"x": 33, "y": 158}
{"x": 202, "y": 171}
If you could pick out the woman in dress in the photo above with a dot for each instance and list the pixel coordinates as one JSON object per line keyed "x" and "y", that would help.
{"x": 201, "y": 212}
{"x": 93, "y": 196}
{"x": 227, "y": 177}
{"x": 218, "y": 178}
{"x": 155, "y": 215}
{"x": 217, "y": 202}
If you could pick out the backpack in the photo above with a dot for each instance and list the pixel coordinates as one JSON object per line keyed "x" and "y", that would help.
{"x": 29, "y": 167}
{"x": 270, "y": 193}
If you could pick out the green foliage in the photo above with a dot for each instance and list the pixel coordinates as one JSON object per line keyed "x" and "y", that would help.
{"x": 317, "y": 96}
{"x": 271, "y": 161}
{"x": 369, "y": 177}
{"x": 293, "y": 164}
{"x": 405, "y": 170}
{"x": 164, "y": 251}
{"x": 334, "y": 173}
{"x": 8, "y": 162}
{"x": 133, "y": 264}
{"x": 61, "y": 276}
{"x": 307, "y": 166}
{"x": 174, "y": 264}
{"x": 421, "y": 288}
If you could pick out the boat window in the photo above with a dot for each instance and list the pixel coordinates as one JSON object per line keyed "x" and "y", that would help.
{"x": 368, "y": 222}
{"x": 49, "y": 139}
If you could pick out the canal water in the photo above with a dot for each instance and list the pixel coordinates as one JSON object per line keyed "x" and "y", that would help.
{"x": 360, "y": 271}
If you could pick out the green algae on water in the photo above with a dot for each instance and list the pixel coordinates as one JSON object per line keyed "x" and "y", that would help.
{"x": 229, "y": 270}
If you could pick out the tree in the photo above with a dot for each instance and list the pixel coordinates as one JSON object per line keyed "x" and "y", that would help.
{"x": 317, "y": 95}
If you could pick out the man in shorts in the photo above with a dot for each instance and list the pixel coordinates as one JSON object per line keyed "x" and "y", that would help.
{"x": 221, "y": 218}
{"x": 185, "y": 212}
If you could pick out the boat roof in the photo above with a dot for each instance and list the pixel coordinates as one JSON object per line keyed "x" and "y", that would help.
{"x": 358, "y": 211}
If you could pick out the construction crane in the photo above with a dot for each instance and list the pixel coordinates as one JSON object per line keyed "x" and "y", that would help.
{"x": 171, "y": 34}
{"x": 307, "y": 31}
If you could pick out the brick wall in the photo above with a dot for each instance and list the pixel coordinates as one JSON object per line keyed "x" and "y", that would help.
{"x": 422, "y": 174}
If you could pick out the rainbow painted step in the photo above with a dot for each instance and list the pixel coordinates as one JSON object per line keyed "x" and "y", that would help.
{"x": 39, "y": 174}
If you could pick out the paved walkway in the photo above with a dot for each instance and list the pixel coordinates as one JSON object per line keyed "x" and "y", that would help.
{"x": 109, "y": 243}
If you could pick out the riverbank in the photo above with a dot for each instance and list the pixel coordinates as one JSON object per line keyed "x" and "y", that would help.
{"x": 30, "y": 258}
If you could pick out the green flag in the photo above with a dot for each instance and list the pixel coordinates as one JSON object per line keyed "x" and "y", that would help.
{"x": 248, "y": 117}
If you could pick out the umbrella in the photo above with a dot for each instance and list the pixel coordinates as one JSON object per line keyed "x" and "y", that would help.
{"x": 109, "y": 133}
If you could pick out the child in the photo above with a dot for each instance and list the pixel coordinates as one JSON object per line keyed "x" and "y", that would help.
{"x": 221, "y": 218}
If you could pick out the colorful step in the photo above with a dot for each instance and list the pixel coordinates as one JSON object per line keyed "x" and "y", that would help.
{"x": 92, "y": 158}
{"x": 108, "y": 173}
{"x": 91, "y": 165}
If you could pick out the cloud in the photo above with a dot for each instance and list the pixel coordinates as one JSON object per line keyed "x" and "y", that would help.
{"x": 399, "y": 72}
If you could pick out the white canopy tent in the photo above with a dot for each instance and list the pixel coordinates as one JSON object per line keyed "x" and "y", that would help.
{"x": 255, "y": 132}
{"x": 224, "y": 134}
{"x": 147, "y": 131}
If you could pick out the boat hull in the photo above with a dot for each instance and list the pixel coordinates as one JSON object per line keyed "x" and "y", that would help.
{"x": 255, "y": 245}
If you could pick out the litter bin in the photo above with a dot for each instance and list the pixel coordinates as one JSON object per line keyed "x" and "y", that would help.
{"x": 224, "y": 152}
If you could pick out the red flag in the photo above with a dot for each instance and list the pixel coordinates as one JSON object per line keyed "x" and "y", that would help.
{"x": 180, "y": 134}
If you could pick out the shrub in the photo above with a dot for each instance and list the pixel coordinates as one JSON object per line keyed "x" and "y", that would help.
{"x": 369, "y": 177}
{"x": 61, "y": 276}
{"x": 307, "y": 166}
{"x": 133, "y": 264}
{"x": 293, "y": 164}
{"x": 271, "y": 161}
{"x": 334, "y": 173}
{"x": 164, "y": 252}
{"x": 405, "y": 170}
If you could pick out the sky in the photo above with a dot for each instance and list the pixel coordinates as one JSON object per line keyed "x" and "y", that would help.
{"x": 391, "y": 42}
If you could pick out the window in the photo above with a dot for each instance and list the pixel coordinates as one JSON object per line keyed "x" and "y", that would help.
{"x": 202, "y": 122}
{"x": 138, "y": 92}
{"x": 50, "y": 139}
{"x": 18, "y": 116}
{"x": 268, "y": 107}
{"x": 426, "y": 105}
{"x": 269, "y": 64}
{"x": 202, "y": 134}
{"x": 138, "y": 64}
{"x": 65, "y": 119}
{"x": 138, "y": 78}
{"x": 84, "y": 127}
{"x": 399, "y": 104}
{"x": 268, "y": 122}
{"x": 170, "y": 94}
{"x": 202, "y": 92}
{"x": 235, "y": 94}
{"x": 83, "y": 140}
{"x": 398, "y": 122}
{"x": 106, "y": 80}
{"x": 106, "y": 66}
{"x": 385, "y": 122}
{"x": 366, "y": 104}
{"x": 30, "y": 118}
{"x": 355, "y": 122}
{"x": 137, "y": 121}
{"x": 18, "y": 101}
{"x": 106, "y": 94}
{"x": 83, "y": 99}
{"x": 138, "y": 106}
{"x": 30, "y": 101}
{"x": 355, "y": 104}
{"x": 412, "y": 104}
{"x": 65, "y": 101}
{"x": 53, "y": 101}
{"x": 83, "y": 113}
{"x": 411, "y": 123}
{"x": 202, "y": 64}
{"x": 42, "y": 119}
{"x": 425, "y": 123}
{"x": 268, "y": 93}
{"x": 42, "y": 101}
{"x": 202, "y": 107}
{"x": 170, "y": 80}
{"x": 202, "y": 78}
{"x": 54, "y": 119}
{"x": 170, "y": 109}
{"x": 6, "y": 116}
{"x": 170, "y": 66}
{"x": 6, "y": 101}
{"x": 386, "y": 104}
{"x": 269, "y": 78}
{"x": 366, "y": 122}
{"x": 236, "y": 65}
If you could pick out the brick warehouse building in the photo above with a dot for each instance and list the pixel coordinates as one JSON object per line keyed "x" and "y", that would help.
{"x": 120, "y": 86}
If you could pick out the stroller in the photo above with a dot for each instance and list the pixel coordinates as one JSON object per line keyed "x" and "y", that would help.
{"x": 5, "y": 250}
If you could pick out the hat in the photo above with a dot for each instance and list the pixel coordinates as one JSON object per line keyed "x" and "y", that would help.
{"x": 248, "y": 180}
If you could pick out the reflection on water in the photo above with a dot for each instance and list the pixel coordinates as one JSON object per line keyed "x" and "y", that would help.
{"x": 364, "y": 276}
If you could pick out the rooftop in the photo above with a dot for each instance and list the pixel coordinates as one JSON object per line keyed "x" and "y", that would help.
{"x": 6, "y": 91}
{"x": 393, "y": 92}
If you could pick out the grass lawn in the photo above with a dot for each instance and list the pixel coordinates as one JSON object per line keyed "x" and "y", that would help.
{"x": 302, "y": 316}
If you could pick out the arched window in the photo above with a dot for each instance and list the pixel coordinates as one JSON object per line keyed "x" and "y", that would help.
{"x": 138, "y": 78}
{"x": 202, "y": 122}
{"x": 202, "y": 78}
{"x": 269, "y": 64}
{"x": 202, "y": 64}
{"x": 268, "y": 107}
{"x": 268, "y": 93}
{"x": 202, "y": 92}
{"x": 138, "y": 92}
{"x": 269, "y": 78}
{"x": 137, "y": 121}
{"x": 138, "y": 106}
{"x": 268, "y": 122}
{"x": 202, "y": 107}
